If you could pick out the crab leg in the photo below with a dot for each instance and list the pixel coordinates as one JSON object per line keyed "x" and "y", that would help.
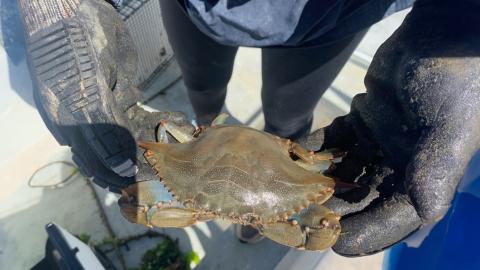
{"x": 182, "y": 135}
{"x": 316, "y": 166}
{"x": 162, "y": 135}
{"x": 315, "y": 162}
{"x": 300, "y": 152}
{"x": 310, "y": 156}
{"x": 220, "y": 119}
{"x": 177, "y": 132}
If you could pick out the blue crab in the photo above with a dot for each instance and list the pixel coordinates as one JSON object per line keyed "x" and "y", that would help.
{"x": 237, "y": 173}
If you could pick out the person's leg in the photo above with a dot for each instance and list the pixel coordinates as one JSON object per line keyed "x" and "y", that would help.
{"x": 206, "y": 65}
{"x": 294, "y": 79}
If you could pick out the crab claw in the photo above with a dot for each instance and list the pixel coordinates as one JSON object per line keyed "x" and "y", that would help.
{"x": 131, "y": 211}
{"x": 151, "y": 204}
{"x": 146, "y": 193}
{"x": 137, "y": 199}
{"x": 314, "y": 228}
{"x": 321, "y": 226}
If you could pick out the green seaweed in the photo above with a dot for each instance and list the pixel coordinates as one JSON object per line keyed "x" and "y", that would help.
{"x": 166, "y": 255}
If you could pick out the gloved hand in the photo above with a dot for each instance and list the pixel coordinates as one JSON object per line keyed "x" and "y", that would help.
{"x": 410, "y": 137}
{"x": 83, "y": 64}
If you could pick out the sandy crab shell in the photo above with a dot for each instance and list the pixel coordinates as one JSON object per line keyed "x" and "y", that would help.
{"x": 238, "y": 172}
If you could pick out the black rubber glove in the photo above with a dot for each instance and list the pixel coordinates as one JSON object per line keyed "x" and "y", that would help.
{"x": 83, "y": 64}
{"x": 411, "y": 136}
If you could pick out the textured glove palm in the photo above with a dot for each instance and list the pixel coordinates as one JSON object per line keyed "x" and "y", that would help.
{"x": 83, "y": 64}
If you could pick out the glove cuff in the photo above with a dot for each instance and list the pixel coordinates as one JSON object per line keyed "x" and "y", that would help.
{"x": 40, "y": 14}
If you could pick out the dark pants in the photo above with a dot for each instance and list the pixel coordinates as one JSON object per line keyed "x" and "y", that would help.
{"x": 294, "y": 79}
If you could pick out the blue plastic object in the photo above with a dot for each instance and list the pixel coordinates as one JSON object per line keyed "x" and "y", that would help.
{"x": 453, "y": 242}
